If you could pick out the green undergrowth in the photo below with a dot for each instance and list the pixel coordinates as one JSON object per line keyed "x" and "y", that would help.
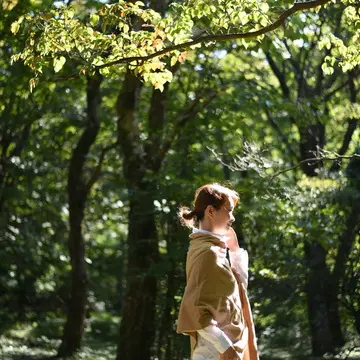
{"x": 40, "y": 340}
{"x": 44, "y": 348}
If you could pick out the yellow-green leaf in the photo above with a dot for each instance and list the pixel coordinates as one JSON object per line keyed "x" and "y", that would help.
{"x": 59, "y": 63}
{"x": 173, "y": 60}
{"x": 15, "y": 26}
{"x": 94, "y": 19}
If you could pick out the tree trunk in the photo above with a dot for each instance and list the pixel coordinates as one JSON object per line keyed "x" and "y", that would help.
{"x": 357, "y": 321}
{"x": 142, "y": 162}
{"x": 3, "y": 174}
{"x": 317, "y": 290}
{"x": 323, "y": 310}
{"x": 78, "y": 191}
{"x": 137, "y": 328}
{"x": 312, "y": 138}
{"x": 346, "y": 242}
{"x": 166, "y": 331}
{"x": 138, "y": 321}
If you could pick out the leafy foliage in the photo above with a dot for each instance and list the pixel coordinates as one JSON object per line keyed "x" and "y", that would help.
{"x": 128, "y": 34}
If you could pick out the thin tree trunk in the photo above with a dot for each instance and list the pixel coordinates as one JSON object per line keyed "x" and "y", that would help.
{"x": 77, "y": 195}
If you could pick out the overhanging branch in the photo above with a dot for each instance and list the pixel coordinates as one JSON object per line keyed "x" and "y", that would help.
{"x": 297, "y": 7}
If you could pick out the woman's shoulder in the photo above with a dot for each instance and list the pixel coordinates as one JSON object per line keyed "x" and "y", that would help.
{"x": 208, "y": 255}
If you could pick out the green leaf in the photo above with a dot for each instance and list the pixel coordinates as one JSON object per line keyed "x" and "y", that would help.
{"x": 328, "y": 70}
{"x": 105, "y": 71}
{"x": 59, "y": 63}
{"x": 94, "y": 19}
{"x": 243, "y": 16}
{"x": 126, "y": 28}
{"x": 264, "y": 7}
{"x": 173, "y": 60}
{"x": 15, "y": 26}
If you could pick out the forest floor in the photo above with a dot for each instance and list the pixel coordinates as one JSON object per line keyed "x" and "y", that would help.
{"x": 27, "y": 342}
{"x": 43, "y": 348}
{"x": 17, "y": 349}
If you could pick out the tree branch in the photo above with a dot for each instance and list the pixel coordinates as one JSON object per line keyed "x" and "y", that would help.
{"x": 280, "y": 75}
{"x": 190, "y": 111}
{"x": 335, "y": 158}
{"x": 297, "y": 7}
{"x": 303, "y": 86}
{"x": 282, "y": 135}
{"x": 328, "y": 96}
{"x": 97, "y": 170}
{"x": 352, "y": 124}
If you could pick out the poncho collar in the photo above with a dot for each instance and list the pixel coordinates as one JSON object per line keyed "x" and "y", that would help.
{"x": 207, "y": 236}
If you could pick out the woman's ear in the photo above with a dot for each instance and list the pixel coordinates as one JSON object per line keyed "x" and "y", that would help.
{"x": 209, "y": 211}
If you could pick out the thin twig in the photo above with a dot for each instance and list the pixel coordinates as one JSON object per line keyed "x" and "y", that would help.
{"x": 313, "y": 160}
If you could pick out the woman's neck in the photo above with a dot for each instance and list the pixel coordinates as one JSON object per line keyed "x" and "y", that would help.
{"x": 207, "y": 227}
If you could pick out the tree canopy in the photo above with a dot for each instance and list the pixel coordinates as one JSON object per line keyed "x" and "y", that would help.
{"x": 150, "y": 41}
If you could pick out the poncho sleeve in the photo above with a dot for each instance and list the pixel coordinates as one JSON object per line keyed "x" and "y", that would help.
{"x": 210, "y": 284}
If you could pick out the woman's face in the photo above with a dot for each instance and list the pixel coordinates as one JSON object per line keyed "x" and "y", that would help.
{"x": 222, "y": 218}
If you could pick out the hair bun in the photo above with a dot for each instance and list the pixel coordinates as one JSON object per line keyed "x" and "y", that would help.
{"x": 188, "y": 215}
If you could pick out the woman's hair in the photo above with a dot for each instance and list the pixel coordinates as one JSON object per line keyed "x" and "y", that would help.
{"x": 210, "y": 194}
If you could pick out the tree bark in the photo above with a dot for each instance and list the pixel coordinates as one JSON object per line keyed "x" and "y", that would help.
{"x": 175, "y": 239}
{"x": 357, "y": 321}
{"x": 316, "y": 287}
{"x": 346, "y": 242}
{"x": 323, "y": 311}
{"x": 138, "y": 320}
{"x": 142, "y": 162}
{"x": 78, "y": 190}
{"x": 312, "y": 138}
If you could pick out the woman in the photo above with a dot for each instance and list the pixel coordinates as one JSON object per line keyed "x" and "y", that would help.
{"x": 215, "y": 309}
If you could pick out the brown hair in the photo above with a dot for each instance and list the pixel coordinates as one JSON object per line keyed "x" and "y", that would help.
{"x": 210, "y": 194}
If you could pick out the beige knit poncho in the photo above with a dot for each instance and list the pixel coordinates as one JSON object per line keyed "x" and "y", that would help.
{"x": 214, "y": 294}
